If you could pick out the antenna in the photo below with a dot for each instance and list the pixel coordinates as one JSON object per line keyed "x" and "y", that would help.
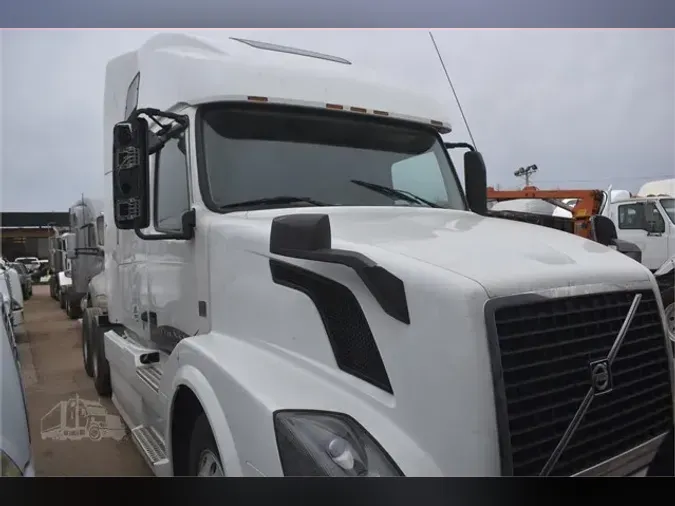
{"x": 526, "y": 172}
{"x": 447, "y": 76}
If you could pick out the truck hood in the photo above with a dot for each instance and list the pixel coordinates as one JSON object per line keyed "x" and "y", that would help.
{"x": 503, "y": 256}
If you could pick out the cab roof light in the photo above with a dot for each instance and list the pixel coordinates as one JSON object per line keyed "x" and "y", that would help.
{"x": 335, "y": 107}
{"x": 258, "y": 99}
{"x": 291, "y": 50}
{"x": 380, "y": 113}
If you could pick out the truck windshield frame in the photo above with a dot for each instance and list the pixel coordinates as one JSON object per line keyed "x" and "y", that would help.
{"x": 248, "y": 151}
{"x": 668, "y": 205}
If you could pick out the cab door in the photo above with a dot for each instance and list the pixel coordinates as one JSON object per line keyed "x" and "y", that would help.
{"x": 643, "y": 224}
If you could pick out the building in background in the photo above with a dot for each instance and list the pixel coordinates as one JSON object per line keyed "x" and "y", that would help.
{"x": 27, "y": 234}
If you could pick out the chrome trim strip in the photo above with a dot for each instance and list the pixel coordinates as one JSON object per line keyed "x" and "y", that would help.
{"x": 624, "y": 329}
{"x": 627, "y": 463}
{"x": 569, "y": 432}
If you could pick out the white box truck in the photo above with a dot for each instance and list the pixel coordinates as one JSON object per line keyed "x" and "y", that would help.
{"x": 285, "y": 296}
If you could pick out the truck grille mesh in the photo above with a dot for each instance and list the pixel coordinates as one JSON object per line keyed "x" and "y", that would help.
{"x": 545, "y": 349}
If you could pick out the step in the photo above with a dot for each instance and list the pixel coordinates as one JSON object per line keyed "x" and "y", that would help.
{"x": 151, "y": 445}
{"x": 151, "y": 375}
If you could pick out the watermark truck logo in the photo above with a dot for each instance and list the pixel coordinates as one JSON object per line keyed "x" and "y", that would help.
{"x": 77, "y": 419}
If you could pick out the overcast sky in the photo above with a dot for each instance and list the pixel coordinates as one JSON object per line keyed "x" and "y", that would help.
{"x": 590, "y": 108}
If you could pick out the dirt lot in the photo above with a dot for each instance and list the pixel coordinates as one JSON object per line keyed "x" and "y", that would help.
{"x": 51, "y": 358}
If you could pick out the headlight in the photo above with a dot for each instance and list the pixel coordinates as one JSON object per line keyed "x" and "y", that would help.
{"x": 8, "y": 469}
{"x": 328, "y": 444}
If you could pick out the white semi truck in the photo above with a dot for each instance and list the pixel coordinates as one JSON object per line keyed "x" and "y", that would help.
{"x": 86, "y": 254}
{"x": 284, "y": 296}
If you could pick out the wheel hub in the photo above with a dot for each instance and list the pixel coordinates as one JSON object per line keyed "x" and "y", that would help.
{"x": 209, "y": 465}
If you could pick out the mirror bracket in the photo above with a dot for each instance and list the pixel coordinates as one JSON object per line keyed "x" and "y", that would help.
{"x": 187, "y": 233}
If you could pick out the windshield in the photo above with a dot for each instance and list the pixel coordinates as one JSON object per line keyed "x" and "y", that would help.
{"x": 669, "y": 207}
{"x": 252, "y": 153}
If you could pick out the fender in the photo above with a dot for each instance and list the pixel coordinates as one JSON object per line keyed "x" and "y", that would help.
{"x": 190, "y": 377}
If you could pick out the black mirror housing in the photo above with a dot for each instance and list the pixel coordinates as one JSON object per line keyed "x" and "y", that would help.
{"x": 603, "y": 230}
{"x": 475, "y": 182}
{"x": 131, "y": 174}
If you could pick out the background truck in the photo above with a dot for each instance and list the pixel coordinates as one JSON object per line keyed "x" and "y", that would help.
{"x": 649, "y": 222}
{"x": 86, "y": 254}
{"x": 60, "y": 280}
{"x": 297, "y": 285}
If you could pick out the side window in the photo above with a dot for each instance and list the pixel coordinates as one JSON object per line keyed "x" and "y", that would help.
{"x": 91, "y": 236}
{"x": 422, "y": 176}
{"x": 132, "y": 96}
{"x": 100, "y": 231}
{"x": 171, "y": 187}
{"x": 653, "y": 215}
{"x": 631, "y": 216}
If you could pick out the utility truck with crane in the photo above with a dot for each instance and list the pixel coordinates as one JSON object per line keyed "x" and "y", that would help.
{"x": 296, "y": 285}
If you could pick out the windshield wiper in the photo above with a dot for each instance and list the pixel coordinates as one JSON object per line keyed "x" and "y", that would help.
{"x": 392, "y": 192}
{"x": 282, "y": 199}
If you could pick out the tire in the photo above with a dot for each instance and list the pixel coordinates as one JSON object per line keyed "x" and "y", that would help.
{"x": 202, "y": 448}
{"x": 62, "y": 299}
{"x": 100, "y": 365}
{"x": 89, "y": 316}
{"x": 94, "y": 432}
{"x": 73, "y": 308}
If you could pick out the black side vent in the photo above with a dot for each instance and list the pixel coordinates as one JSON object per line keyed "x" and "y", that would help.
{"x": 348, "y": 331}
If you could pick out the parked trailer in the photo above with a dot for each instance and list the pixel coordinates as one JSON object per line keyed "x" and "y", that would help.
{"x": 86, "y": 255}
{"x": 287, "y": 304}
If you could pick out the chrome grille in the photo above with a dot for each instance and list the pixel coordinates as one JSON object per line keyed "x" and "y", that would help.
{"x": 545, "y": 350}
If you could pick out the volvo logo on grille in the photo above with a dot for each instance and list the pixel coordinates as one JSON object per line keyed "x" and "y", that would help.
{"x": 601, "y": 377}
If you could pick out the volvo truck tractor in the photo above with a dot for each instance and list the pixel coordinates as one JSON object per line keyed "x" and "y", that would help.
{"x": 297, "y": 285}
{"x": 86, "y": 255}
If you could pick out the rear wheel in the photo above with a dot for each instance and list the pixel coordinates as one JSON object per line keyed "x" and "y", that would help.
{"x": 204, "y": 458}
{"x": 90, "y": 315}
{"x": 100, "y": 365}
{"x": 73, "y": 308}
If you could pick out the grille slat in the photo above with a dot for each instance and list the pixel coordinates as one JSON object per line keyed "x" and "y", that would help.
{"x": 546, "y": 348}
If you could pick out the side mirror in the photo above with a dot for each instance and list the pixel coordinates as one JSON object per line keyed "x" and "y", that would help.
{"x": 475, "y": 181}
{"x": 131, "y": 175}
{"x": 603, "y": 230}
{"x": 653, "y": 227}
